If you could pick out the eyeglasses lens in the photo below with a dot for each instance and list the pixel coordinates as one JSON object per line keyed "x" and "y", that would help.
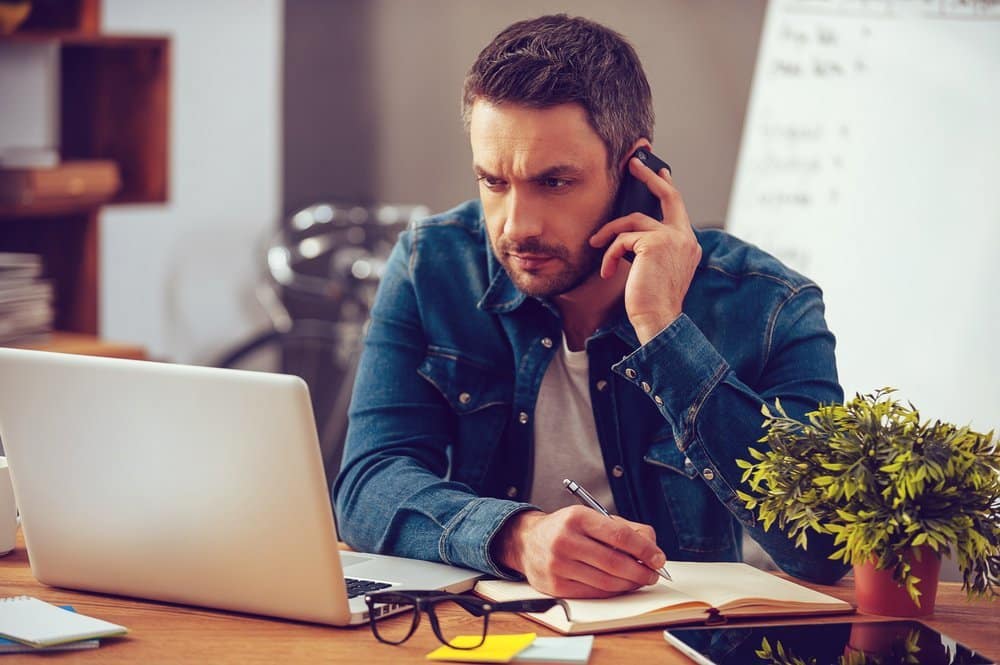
{"x": 396, "y": 628}
{"x": 460, "y": 630}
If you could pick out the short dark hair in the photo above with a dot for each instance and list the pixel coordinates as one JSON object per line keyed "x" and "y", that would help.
{"x": 558, "y": 59}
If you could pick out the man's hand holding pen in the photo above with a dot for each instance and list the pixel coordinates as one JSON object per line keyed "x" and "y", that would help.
{"x": 587, "y": 499}
{"x": 577, "y": 552}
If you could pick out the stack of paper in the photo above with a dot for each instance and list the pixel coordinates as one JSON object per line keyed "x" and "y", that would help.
{"x": 37, "y": 624}
{"x": 25, "y": 297}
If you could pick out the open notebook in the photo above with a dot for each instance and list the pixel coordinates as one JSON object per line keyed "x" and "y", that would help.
{"x": 699, "y": 593}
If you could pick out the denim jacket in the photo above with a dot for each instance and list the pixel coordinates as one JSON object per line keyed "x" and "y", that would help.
{"x": 439, "y": 447}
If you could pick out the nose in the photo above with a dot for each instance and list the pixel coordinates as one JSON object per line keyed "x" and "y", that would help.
{"x": 523, "y": 218}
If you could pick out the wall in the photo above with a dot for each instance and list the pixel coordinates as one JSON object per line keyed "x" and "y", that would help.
{"x": 179, "y": 277}
{"x": 328, "y": 114}
{"x": 404, "y": 84}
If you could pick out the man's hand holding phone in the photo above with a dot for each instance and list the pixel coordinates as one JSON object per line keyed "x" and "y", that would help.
{"x": 666, "y": 254}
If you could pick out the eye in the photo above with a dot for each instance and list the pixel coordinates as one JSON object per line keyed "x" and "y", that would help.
{"x": 490, "y": 182}
{"x": 555, "y": 183}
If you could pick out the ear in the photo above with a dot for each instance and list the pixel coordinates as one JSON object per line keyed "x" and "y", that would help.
{"x": 641, "y": 142}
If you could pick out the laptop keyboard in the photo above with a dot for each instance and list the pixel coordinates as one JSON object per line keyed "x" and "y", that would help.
{"x": 356, "y": 587}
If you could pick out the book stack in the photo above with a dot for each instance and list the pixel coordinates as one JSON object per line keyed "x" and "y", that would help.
{"x": 25, "y": 298}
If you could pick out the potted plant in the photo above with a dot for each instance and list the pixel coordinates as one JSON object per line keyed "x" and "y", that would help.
{"x": 896, "y": 494}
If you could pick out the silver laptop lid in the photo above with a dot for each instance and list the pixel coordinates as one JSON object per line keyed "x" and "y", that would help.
{"x": 177, "y": 483}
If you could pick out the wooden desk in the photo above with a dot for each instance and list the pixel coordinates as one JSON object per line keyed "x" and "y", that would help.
{"x": 164, "y": 633}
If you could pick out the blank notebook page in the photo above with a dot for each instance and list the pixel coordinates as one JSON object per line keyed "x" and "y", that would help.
{"x": 35, "y": 622}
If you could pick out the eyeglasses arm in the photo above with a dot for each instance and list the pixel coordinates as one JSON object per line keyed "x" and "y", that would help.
{"x": 531, "y": 605}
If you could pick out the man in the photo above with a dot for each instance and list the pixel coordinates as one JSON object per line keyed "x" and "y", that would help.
{"x": 513, "y": 345}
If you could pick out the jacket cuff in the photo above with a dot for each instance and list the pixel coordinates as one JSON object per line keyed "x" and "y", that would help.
{"x": 468, "y": 536}
{"x": 677, "y": 369}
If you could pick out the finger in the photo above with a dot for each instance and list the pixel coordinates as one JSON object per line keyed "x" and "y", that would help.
{"x": 622, "y": 537}
{"x": 635, "y": 221}
{"x": 661, "y": 181}
{"x": 662, "y": 186}
{"x": 616, "y": 570}
{"x": 600, "y": 581}
{"x": 591, "y": 570}
{"x": 590, "y": 538}
{"x": 568, "y": 588}
{"x": 623, "y": 568}
{"x": 614, "y": 254}
{"x": 643, "y": 530}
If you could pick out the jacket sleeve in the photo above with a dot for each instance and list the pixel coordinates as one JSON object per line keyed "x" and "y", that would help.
{"x": 392, "y": 494}
{"x": 715, "y": 416}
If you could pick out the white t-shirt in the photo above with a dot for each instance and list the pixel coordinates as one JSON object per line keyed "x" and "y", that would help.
{"x": 566, "y": 444}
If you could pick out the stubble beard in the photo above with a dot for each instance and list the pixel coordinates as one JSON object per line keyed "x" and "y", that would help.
{"x": 579, "y": 266}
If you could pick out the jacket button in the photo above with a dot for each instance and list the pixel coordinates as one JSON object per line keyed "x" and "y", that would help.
{"x": 522, "y": 418}
{"x": 547, "y": 342}
{"x": 601, "y": 385}
{"x": 630, "y": 373}
{"x": 707, "y": 474}
{"x": 617, "y": 472}
{"x": 511, "y": 492}
{"x": 658, "y": 399}
{"x": 646, "y": 387}
{"x": 465, "y": 398}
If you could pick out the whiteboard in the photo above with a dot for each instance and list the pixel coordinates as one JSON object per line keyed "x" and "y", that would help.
{"x": 870, "y": 161}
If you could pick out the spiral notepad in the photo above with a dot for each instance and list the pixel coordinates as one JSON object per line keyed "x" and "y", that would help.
{"x": 35, "y": 622}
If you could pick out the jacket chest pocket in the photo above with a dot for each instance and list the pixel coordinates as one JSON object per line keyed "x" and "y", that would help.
{"x": 701, "y": 522}
{"x": 480, "y": 400}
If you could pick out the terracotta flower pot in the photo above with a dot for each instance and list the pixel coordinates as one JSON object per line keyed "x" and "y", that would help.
{"x": 877, "y": 593}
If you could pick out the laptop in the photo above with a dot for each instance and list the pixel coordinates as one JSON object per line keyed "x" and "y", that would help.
{"x": 184, "y": 484}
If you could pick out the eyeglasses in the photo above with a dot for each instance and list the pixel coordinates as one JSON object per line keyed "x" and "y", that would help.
{"x": 411, "y": 603}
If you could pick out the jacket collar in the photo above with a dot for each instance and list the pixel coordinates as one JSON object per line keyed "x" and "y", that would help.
{"x": 501, "y": 296}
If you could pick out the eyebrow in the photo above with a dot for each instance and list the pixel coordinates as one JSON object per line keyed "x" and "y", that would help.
{"x": 556, "y": 171}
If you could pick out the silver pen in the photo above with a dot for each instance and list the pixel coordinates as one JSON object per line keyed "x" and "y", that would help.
{"x": 587, "y": 499}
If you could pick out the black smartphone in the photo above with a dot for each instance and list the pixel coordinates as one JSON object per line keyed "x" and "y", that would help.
{"x": 884, "y": 642}
{"x": 633, "y": 195}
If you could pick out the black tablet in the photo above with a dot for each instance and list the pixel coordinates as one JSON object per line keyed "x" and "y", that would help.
{"x": 847, "y": 643}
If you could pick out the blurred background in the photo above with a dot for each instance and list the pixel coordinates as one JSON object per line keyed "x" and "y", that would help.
{"x": 227, "y": 166}
{"x": 274, "y": 105}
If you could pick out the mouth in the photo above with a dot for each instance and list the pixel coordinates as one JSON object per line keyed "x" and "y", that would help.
{"x": 530, "y": 262}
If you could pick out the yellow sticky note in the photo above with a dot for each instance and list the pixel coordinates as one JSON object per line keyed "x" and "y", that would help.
{"x": 496, "y": 648}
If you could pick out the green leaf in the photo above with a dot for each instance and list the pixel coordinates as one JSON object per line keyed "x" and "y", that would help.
{"x": 880, "y": 479}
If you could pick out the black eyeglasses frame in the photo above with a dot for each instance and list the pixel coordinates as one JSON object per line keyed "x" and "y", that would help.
{"x": 425, "y": 601}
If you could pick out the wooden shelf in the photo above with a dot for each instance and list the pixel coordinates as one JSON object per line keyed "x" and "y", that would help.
{"x": 87, "y": 345}
{"x": 80, "y": 39}
{"x": 52, "y": 16}
{"x": 114, "y": 101}
{"x": 10, "y": 213}
{"x": 114, "y": 96}
{"x": 74, "y": 187}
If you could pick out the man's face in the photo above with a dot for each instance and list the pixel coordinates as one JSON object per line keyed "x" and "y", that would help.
{"x": 545, "y": 188}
